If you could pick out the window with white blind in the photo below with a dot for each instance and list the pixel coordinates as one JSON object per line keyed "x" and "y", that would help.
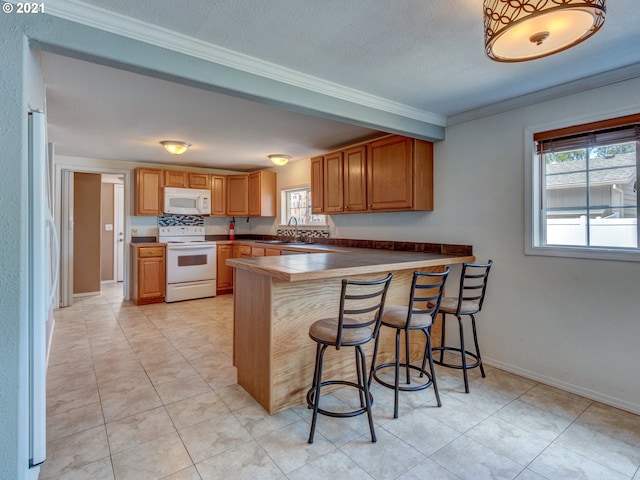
{"x": 584, "y": 191}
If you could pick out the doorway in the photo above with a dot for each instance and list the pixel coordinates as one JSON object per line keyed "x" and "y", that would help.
{"x": 111, "y": 230}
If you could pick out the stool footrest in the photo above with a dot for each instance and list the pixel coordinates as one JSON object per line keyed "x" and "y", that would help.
{"x": 454, "y": 349}
{"x": 405, "y": 387}
{"x": 311, "y": 399}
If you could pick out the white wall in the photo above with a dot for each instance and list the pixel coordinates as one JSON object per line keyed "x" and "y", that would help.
{"x": 572, "y": 323}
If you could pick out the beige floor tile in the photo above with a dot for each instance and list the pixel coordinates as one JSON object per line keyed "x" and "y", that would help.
{"x": 235, "y": 397}
{"x": 100, "y": 470}
{"x": 198, "y": 409}
{"x": 258, "y": 422}
{"x": 333, "y": 465}
{"x": 513, "y": 442}
{"x": 533, "y": 419}
{"x": 527, "y": 474}
{"x": 74, "y": 421}
{"x": 608, "y": 451}
{"x": 556, "y": 401}
{"x": 558, "y": 462}
{"x": 72, "y": 399}
{"x": 167, "y": 373}
{"x": 127, "y": 396}
{"x": 428, "y": 469}
{"x": 137, "y": 429}
{"x": 247, "y": 461}
{"x": 162, "y": 457}
{"x": 289, "y": 449}
{"x": 484, "y": 398}
{"x": 206, "y": 439}
{"x": 75, "y": 451}
{"x": 181, "y": 388}
{"x": 190, "y": 473}
{"x": 67, "y": 383}
{"x": 422, "y": 432}
{"x": 470, "y": 460}
{"x": 613, "y": 422}
{"x": 456, "y": 414}
{"x": 388, "y": 458}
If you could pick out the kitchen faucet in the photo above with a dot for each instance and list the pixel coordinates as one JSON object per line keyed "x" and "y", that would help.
{"x": 295, "y": 222}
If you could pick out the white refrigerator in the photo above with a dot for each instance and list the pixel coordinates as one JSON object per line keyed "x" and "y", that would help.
{"x": 44, "y": 263}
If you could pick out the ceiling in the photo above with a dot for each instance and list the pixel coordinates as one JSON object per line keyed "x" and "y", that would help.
{"x": 422, "y": 56}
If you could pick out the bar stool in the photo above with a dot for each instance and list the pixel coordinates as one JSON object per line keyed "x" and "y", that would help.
{"x": 358, "y": 321}
{"x": 420, "y": 313}
{"x": 473, "y": 285}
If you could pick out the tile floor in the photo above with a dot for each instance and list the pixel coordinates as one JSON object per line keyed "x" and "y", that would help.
{"x": 149, "y": 392}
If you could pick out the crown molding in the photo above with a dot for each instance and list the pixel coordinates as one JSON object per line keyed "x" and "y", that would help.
{"x": 116, "y": 23}
{"x": 594, "y": 81}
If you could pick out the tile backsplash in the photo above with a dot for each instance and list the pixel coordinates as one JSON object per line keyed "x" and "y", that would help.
{"x": 168, "y": 220}
{"x": 303, "y": 232}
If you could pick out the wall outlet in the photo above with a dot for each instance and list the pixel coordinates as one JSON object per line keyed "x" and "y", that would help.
{"x": 108, "y": 227}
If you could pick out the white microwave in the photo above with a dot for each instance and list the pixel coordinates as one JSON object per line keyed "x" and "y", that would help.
{"x": 187, "y": 201}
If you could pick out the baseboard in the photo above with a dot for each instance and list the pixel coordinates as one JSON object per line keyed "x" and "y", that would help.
{"x": 86, "y": 294}
{"x": 569, "y": 387}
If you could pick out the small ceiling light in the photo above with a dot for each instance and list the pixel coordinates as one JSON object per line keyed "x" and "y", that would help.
{"x": 520, "y": 30}
{"x": 174, "y": 147}
{"x": 279, "y": 159}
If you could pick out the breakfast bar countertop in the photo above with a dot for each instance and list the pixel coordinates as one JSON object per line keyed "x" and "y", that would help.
{"x": 341, "y": 261}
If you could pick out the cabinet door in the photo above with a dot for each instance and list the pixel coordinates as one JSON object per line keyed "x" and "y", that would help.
{"x": 238, "y": 195}
{"x": 262, "y": 194}
{"x": 148, "y": 191}
{"x": 272, "y": 252}
{"x": 317, "y": 185}
{"x": 224, "y": 273}
{"x": 257, "y": 251}
{"x": 151, "y": 277}
{"x": 218, "y": 195}
{"x": 199, "y": 180}
{"x": 174, "y": 178}
{"x": 355, "y": 179}
{"x": 333, "y": 183}
{"x": 390, "y": 174}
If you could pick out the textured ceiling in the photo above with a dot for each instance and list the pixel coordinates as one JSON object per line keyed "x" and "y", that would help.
{"x": 425, "y": 54}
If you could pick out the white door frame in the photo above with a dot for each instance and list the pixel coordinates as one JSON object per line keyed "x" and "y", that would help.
{"x": 66, "y": 256}
{"x": 118, "y": 232}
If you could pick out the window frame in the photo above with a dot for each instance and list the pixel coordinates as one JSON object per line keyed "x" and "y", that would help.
{"x": 284, "y": 211}
{"x": 534, "y": 224}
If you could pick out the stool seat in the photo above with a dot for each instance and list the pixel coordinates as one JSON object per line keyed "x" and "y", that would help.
{"x": 450, "y": 305}
{"x": 357, "y": 323}
{"x": 325, "y": 331}
{"x": 396, "y": 317}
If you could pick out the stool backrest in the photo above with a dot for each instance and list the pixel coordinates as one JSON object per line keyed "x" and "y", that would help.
{"x": 426, "y": 293}
{"x": 363, "y": 304}
{"x": 473, "y": 285}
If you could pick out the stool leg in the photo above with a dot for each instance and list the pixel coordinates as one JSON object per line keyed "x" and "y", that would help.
{"x": 367, "y": 396}
{"x": 475, "y": 340}
{"x": 427, "y": 353}
{"x": 464, "y": 357}
{"x": 316, "y": 397}
{"x": 359, "y": 371}
{"x": 397, "y": 376}
{"x": 442, "y": 334}
{"x": 407, "y": 355}
{"x": 373, "y": 360}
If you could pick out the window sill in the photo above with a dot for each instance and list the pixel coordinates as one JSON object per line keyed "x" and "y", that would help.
{"x": 612, "y": 254}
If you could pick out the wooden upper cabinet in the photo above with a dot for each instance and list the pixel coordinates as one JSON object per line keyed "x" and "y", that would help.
{"x": 175, "y": 178}
{"x": 400, "y": 174}
{"x": 238, "y": 195}
{"x": 148, "y": 191}
{"x": 333, "y": 183}
{"x": 262, "y": 194}
{"x": 317, "y": 185}
{"x": 355, "y": 179}
{"x": 218, "y": 195}
{"x": 199, "y": 180}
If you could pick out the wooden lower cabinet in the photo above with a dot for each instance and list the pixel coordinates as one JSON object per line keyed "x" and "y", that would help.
{"x": 224, "y": 273}
{"x": 148, "y": 273}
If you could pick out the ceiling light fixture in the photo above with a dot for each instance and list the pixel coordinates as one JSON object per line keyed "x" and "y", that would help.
{"x": 279, "y": 159}
{"x": 174, "y": 147}
{"x": 520, "y": 30}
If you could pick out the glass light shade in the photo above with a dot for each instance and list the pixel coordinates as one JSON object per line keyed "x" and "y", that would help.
{"x": 279, "y": 159}
{"x": 175, "y": 147}
{"x": 516, "y": 31}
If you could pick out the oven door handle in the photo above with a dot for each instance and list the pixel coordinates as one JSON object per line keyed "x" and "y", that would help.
{"x": 190, "y": 247}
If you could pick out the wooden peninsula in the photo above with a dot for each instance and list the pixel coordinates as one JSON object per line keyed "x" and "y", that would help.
{"x": 277, "y": 298}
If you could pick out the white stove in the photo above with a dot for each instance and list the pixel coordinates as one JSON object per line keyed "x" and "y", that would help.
{"x": 191, "y": 263}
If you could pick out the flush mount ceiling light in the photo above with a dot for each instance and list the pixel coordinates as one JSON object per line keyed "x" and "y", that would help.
{"x": 520, "y": 30}
{"x": 279, "y": 159}
{"x": 174, "y": 147}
